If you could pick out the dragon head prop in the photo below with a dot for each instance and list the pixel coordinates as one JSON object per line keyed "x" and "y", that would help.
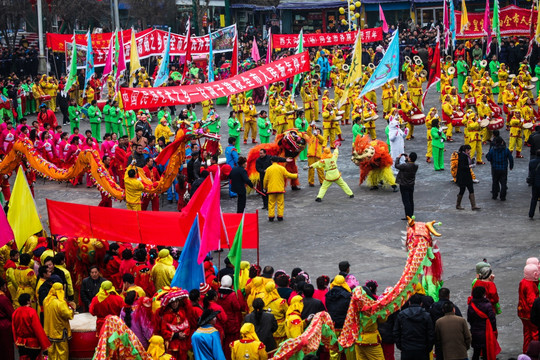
{"x": 293, "y": 142}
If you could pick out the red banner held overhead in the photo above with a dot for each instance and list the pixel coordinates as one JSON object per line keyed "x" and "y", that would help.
{"x": 146, "y": 227}
{"x": 291, "y": 40}
{"x": 514, "y": 21}
{"x": 142, "y": 98}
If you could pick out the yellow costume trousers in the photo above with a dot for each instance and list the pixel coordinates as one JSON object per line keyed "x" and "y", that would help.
{"x": 135, "y": 207}
{"x": 417, "y": 100}
{"x": 371, "y": 132}
{"x": 347, "y": 115}
{"x": 516, "y": 142}
{"x": 329, "y": 133}
{"x": 272, "y": 200}
{"x": 369, "y": 352}
{"x": 311, "y": 171}
{"x": 290, "y": 122}
{"x": 476, "y": 149}
{"x": 280, "y": 128}
{"x": 316, "y": 110}
{"x": 372, "y": 96}
{"x": 429, "y": 152}
{"x": 388, "y": 104}
{"x": 310, "y": 116}
{"x": 340, "y": 182}
{"x": 250, "y": 126}
{"x": 411, "y": 130}
{"x": 449, "y": 130}
{"x": 240, "y": 117}
{"x": 486, "y": 134}
{"x": 59, "y": 351}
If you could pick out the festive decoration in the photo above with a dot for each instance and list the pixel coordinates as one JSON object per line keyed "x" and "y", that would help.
{"x": 374, "y": 160}
{"x": 280, "y": 41}
{"x": 117, "y": 341}
{"x": 90, "y": 161}
{"x": 363, "y": 310}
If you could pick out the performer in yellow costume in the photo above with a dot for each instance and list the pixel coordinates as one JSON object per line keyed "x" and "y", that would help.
{"x": 249, "y": 346}
{"x": 329, "y": 124}
{"x": 206, "y": 106}
{"x": 388, "y": 97}
{"x": 277, "y": 306}
{"x": 56, "y": 325}
{"x": 250, "y": 125}
{"x": 26, "y": 279}
{"x": 415, "y": 88}
{"x": 475, "y": 138}
{"x": 516, "y": 133}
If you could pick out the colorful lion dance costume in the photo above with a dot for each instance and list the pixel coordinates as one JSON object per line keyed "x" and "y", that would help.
{"x": 374, "y": 160}
{"x": 289, "y": 144}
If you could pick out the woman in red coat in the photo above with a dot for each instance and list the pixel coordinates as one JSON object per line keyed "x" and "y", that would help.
{"x": 106, "y": 302}
{"x": 234, "y": 305}
{"x": 210, "y": 302}
{"x": 6, "y": 313}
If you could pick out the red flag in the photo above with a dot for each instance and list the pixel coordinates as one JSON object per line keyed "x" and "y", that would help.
{"x": 435, "y": 70}
{"x": 188, "y": 48}
{"x": 211, "y": 213}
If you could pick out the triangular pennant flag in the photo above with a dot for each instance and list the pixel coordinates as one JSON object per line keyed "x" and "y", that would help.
{"x": 211, "y": 213}
{"x": 189, "y": 274}
{"x": 235, "y": 255}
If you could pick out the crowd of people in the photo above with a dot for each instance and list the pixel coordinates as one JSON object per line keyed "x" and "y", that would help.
{"x": 216, "y": 321}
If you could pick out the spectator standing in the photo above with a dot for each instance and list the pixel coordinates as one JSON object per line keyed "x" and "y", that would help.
{"x": 534, "y": 180}
{"x": 452, "y": 335}
{"x": 500, "y": 157}
{"x": 481, "y": 317}
{"x": 90, "y": 286}
{"x": 239, "y": 179}
{"x": 405, "y": 179}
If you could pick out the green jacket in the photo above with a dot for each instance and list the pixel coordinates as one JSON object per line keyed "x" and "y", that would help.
{"x": 74, "y": 112}
{"x": 94, "y": 114}
{"x": 265, "y": 126}
{"x": 234, "y": 126}
{"x": 165, "y": 114}
{"x": 461, "y": 67}
{"x": 129, "y": 118}
{"x": 214, "y": 126}
{"x": 330, "y": 167}
{"x": 301, "y": 124}
{"x": 107, "y": 113}
{"x": 114, "y": 114}
{"x": 438, "y": 137}
{"x": 358, "y": 129}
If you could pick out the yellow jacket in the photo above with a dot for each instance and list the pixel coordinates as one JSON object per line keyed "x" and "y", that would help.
{"x": 315, "y": 146}
{"x": 515, "y": 127}
{"x": 483, "y": 109}
{"x": 162, "y": 273}
{"x": 57, "y": 316}
{"x": 69, "y": 288}
{"x": 248, "y": 349}
{"x": 274, "y": 179}
{"x": 328, "y": 118}
{"x": 415, "y": 87}
{"x": 388, "y": 91}
{"x": 134, "y": 187}
{"x": 250, "y": 112}
{"x": 448, "y": 108}
{"x": 163, "y": 130}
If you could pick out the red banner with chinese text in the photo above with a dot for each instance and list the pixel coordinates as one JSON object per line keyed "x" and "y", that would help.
{"x": 147, "y": 227}
{"x": 139, "y": 98}
{"x": 310, "y": 40}
{"x": 514, "y": 21}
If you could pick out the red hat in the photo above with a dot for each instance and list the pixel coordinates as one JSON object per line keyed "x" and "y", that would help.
{"x": 204, "y": 288}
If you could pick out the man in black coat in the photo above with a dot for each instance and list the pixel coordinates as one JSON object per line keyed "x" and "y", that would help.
{"x": 311, "y": 306}
{"x": 534, "y": 141}
{"x": 534, "y": 179}
{"x": 413, "y": 331}
{"x": 90, "y": 286}
{"x": 239, "y": 179}
{"x": 338, "y": 299}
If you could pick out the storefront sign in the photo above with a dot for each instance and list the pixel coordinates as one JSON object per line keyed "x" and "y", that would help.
{"x": 280, "y": 41}
{"x": 139, "y": 98}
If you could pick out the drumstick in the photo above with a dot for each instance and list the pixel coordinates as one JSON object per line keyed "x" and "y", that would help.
{"x": 263, "y": 194}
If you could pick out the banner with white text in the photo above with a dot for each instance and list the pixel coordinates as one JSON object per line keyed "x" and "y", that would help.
{"x": 280, "y": 41}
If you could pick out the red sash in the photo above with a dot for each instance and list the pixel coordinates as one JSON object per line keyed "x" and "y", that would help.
{"x": 492, "y": 345}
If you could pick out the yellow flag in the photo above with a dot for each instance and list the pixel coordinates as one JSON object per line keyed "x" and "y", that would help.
{"x": 22, "y": 214}
{"x": 464, "y": 18}
{"x": 537, "y": 35}
{"x": 355, "y": 70}
{"x": 134, "y": 63}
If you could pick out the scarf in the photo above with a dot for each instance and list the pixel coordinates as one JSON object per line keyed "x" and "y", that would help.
{"x": 56, "y": 292}
{"x": 247, "y": 332}
{"x": 492, "y": 345}
{"x": 297, "y": 305}
{"x": 106, "y": 289}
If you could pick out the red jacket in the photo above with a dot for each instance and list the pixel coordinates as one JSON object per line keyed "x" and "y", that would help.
{"x": 28, "y": 330}
{"x": 233, "y": 304}
{"x": 491, "y": 292}
{"x": 112, "y": 305}
{"x": 528, "y": 291}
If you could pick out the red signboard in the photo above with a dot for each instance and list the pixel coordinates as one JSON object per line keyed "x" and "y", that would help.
{"x": 280, "y": 41}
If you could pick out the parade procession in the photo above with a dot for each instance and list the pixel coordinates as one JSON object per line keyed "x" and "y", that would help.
{"x": 167, "y": 172}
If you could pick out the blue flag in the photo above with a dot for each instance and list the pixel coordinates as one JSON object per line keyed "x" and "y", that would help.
{"x": 388, "y": 68}
{"x": 210, "y": 59}
{"x": 189, "y": 275}
{"x": 163, "y": 73}
{"x": 452, "y": 23}
{"x": 89, "y": 67}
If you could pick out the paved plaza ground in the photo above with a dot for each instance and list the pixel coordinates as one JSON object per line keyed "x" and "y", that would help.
{"x": 366, "y": 230}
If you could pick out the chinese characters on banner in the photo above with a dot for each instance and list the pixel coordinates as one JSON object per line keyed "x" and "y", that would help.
{"x": 514, "y": 21}
{"x": 139, "y": 98}
{"x": 149, "y": 43}
{"x": 329, "y": 39}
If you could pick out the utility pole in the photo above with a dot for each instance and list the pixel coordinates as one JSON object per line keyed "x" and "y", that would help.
{"x": 42, "y": 63}
{"x": 116, "y": 15}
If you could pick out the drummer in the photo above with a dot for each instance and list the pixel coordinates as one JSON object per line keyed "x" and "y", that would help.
{"x": 516, "y": 133}
{"x": 329, "y": 124}
{"x": 470, "y": 115}
{"x": 407, "y": 107}
{"x": 503, "y": 78}
{"x": 488, "y": 83}
{"x": 528, "y": 119}
{"x": 468, "y": 90}
{"x": 345, "y": 109}
{"x": 449, "y": 113}
{"x": 369, "y": 116}
{"x": 415, "y": 87}
{"x": 290, "y": 107}
{"x": 388, "y": 98}
{"x": 475, "y": 137}
{"x": 484, "y": 113}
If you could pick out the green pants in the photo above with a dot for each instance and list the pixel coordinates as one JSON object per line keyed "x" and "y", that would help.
{"x": 108, "y": 127}
{"x": 30, "y": 106}
{"x": 264, "y": 139}
{"x": 96, "y": 131}
{"x": 438, "y": 158}
{"x": 341, "y": 183}
{"x": 129, "y": 131}
{"x": 237, "y": 142}
{"x": 73, "y": 124}
{"x": 116, "y": 128}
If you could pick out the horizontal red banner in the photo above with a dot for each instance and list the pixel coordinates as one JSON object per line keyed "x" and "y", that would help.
{"x": 310, "y": 40}
{"x": 139, "y": 98}
{"x": 146, "y": 227}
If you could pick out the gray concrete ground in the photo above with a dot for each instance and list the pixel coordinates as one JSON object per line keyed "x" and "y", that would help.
{"x": 366, "y": 230}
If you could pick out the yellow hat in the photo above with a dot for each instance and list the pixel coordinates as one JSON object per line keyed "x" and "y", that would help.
{"x": 340, "y": 281}
{"x": 163, "y": 253}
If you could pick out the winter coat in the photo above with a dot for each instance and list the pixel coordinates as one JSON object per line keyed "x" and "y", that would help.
{"x": 337, "y": 304}
{"x": 413, "y": 330}
{"x": 478, "y": 325}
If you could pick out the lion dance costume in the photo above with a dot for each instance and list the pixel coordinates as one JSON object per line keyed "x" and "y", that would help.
{"x": 374, "y": 160}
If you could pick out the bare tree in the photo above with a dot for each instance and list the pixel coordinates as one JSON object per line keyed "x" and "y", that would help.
{"x": 12, "y": 16}
{"x": 84, "y": 13}
{"x": 153, "y": 12}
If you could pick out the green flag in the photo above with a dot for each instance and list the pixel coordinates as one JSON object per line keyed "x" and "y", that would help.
{"x": 235, "y": 254}
{"x": 299, "y": 49}
{"x": 72, "y": 75}
{"x": 495, "y": 25}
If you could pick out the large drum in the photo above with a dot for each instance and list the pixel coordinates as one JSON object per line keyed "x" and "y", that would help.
{"x": 457, "y": 119}
{"x": 496, "y": 123}
{"x": 44, "y": 98}
{"x": 471, "y": 101}
{"x": 417, "y": 119}
{"x": 496, "y": 111}
{"x": 101, "y": 104}
{"x": 83, "y": 336}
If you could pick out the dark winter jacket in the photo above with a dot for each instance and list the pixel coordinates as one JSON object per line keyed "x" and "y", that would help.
{"x": 463, "y": 177}
{"x": 337, "y": 304}
{"x": 436, "y": 310}
{"x": 413, "y": 330}
{"x": 478, "y": 325}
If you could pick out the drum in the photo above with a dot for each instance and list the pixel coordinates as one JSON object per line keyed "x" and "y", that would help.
{"x": 44, "y": 98}
{"x": 530, "y": 87}
{"x": 418, "y": 119}
{"x": 484, "y": 123}
{"x": 496, "y": 123}
{"x": 341, "y": 112}
{"x": 471, "y": 101}
{"x": 534, "y": 79}
{"x": 496, "y": 111}
{"x": 83, "y": 336}
{"x": 528, "y": 125}
{"x": 339, "y": 118}
{"x": 457, "y": 121}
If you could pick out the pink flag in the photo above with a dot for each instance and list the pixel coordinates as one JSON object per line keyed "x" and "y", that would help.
{"x": 234, "y": 64}
{"x": 110, "y": 58}
{"x": 6, "y": 234}
{"x": 383, "y": 19}
{"x": 255, "y": 51}
{"x": 446, "y": 24}
{"x": 211, "y": 213}
{"x": 487, "y": 27}
{"x": 121, "y": 56}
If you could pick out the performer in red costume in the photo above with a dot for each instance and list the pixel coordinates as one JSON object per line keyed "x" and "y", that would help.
{"x": 528, "y": 292}
{"x": 152, "y": 173}
{"x": 106, "y": 302}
